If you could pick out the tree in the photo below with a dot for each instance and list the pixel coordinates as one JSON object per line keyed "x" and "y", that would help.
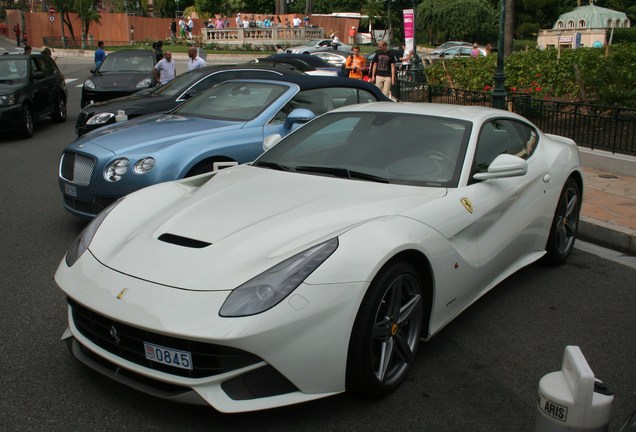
{"x": 87, "y": 13}
{"x": 471, "y": 20}
{"x": 374, "y": 11}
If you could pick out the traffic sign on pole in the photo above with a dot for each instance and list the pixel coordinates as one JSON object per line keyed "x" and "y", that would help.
{"x": 51, "y": 10}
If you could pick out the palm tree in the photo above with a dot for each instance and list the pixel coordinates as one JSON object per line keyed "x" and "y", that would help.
{"x": 373, "y": 11}
{"x": 87, "y": 13}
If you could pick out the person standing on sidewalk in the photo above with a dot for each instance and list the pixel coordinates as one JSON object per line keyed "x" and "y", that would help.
{"x": 355, "y": 64}
{"x": 383, "y": 69}
{"x": 173, "y": 30}
{"x": 164, "y": 69}
{"x": 18, "y": 33}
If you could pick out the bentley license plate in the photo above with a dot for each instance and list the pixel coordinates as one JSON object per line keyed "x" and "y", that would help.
{"x": 70, "y": 190}
{"x": 168, "y": 356}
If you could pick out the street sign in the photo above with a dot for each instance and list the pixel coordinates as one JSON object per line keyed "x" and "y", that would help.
{"x": 51, "y": 10}
{"x": 52, "y": 18}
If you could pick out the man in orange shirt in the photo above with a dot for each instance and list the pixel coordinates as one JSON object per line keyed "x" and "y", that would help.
{"x": 355, "y": 64}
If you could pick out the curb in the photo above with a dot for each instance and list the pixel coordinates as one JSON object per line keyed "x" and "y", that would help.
{"x": 607, "y": 235}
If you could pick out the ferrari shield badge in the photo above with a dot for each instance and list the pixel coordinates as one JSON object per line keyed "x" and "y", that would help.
{"x": 467, "y": 204}
{"x": 122, "y": 293}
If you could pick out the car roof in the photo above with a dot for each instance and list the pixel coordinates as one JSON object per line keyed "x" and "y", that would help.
{"x": 282, "y": 68}
{"x": 131, "y": 52}
{"x": 333, "y": 51}
{"x": 460, "y": 112}
{"x": 309, "y": 82}
{"x": 311, "y": 60}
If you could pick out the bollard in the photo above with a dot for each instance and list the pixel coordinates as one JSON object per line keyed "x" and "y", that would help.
{"x": 572, "y": 399}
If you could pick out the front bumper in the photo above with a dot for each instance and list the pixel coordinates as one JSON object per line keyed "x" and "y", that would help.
{"x": 10, "y": 117}
{"x": 296, "y": 351}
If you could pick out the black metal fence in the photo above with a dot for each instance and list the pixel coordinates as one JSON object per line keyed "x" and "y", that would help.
{"x": 594, "y": 126}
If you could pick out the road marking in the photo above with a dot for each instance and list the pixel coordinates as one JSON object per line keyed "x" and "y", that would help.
{"x": 69, "y": 80}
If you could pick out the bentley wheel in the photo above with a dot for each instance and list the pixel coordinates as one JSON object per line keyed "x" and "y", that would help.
{"x": 27, "y": 122}
{"x": 564, "y": 225}
{"x": 59, "y": 115}
{"x": 386, "y": 331}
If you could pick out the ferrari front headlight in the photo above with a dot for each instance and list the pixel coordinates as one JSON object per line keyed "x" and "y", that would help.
{"x": 144, "y": 83}
{"x": 272, "y": 286}
{"x": 116, "y": 169}
{"x": 81, "y": 243}
{"x": 101, "y": 118}
{"x": 89, "y": 84}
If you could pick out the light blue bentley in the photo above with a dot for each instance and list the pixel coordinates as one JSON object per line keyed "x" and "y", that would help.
{"x": 223, "y": 126}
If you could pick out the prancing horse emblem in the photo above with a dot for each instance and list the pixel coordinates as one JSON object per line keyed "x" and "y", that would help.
{"x": 467, "y": 204}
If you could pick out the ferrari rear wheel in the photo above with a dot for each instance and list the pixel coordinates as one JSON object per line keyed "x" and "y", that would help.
{"x": 386, "y": 331}
{"x": 565, "y": 224}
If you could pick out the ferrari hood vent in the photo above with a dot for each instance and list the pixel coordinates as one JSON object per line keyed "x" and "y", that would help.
{"x": 183, "y": 241}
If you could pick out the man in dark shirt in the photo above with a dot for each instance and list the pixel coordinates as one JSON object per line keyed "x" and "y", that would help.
{"x": 383, "y": 69}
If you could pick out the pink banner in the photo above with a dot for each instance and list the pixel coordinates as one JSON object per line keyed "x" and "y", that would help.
{"x": 409, "y": 28}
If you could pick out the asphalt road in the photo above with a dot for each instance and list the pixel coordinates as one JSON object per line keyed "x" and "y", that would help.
{"x": 478, "y": 374}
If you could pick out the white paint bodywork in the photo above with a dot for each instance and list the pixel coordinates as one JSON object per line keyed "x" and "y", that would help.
{"x": 255, "y": 218}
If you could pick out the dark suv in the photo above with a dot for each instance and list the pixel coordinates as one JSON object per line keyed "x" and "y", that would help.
{"x": 31, "y": 86}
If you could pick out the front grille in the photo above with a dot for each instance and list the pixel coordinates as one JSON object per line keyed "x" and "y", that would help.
{"x": 81, "y": 119}
{"x": 77, "y": 168}
{"x": 94, "y": 207}
{"x": 207, "y": 359}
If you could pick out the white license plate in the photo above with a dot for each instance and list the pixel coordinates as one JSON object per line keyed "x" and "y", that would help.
{"x": 70, "y": 190}
{"x": 168, "y": 356}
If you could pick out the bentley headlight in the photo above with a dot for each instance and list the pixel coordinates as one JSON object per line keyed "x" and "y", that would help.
{"x": 116, "y": 169}
{"x": 101, "y": 118}
{"x": 144, "y": 83}
{"x": 89, "y": 84}
{"x": 82, "y": 241}
{"x": 7, "y": 100}
{"x": 144, "y": 165}
{"x": 270, "y": 287}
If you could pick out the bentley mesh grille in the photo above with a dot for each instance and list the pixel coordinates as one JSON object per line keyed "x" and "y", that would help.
{"x": 207, "y": 359}
{"x": 77, "y": 168}
{"x": 97, "y": 205}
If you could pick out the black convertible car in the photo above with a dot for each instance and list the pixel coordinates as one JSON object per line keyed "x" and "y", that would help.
{"x": 165, "y": 98}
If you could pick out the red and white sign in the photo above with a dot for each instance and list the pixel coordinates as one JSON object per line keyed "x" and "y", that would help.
{"x": 51, "y": 10}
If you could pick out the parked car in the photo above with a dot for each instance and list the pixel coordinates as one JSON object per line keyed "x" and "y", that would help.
{"x": 31, "y": 87}
{"x": 335, "y": 58}
{"x": 223, "y": 125}
{"x": 320, "y": 267}
{"x": 317, "y": 45}
{"x": 122, "y": 73}
{"x": 315, "y": 65}
{"x": 449, "y": 44}
{"x": 164, "y": 98}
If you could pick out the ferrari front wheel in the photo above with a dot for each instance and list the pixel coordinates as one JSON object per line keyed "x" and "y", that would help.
{"x": 564, "y": 225}
{"x": 386, "y": 331}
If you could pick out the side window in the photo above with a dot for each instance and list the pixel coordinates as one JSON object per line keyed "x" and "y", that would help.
{"x": 319, "y": 101}
{"x": 503, "y": 136}
{"x": 209, "y": 81}
{"x": 35, "y": 66}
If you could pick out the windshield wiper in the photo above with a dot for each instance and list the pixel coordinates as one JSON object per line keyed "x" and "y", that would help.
{"x": 341, "y": 172}
{"x": 272, "y": 165}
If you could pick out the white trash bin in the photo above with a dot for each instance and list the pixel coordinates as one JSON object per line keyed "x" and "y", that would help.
{"x": 572, "y": 399}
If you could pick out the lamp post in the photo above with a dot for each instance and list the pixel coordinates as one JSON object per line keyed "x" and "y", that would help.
{"x": 558, "y": 45}
{"x": 499, "y": 93}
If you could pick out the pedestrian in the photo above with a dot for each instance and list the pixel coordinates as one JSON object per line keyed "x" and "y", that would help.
{"x": 474, "y": 53}
{"x": 100, "y": 54}
{"x": 296, "y": 21}
{"x": 352, "y": 35}
{"x": 173, "y": 30}
{"x": 182, "y": 28}
{"x": 279, "y": 49}
{"x": 356, "y": 64}
{"x": 383, "y": 69}
{"x": 489, "y": 49}
{"x": 47, "y": 52}
{"x": 165, "y": 69}
{"x": 27, "y": 49}
{"x": 238, "y": 20}
{"x": 18, "y": 33}
{"x": 189, "y": 27}
{"x": 335, "y": 42}
{"x": 157, "y": 49}
{"x": 194, "y": 61}
{"x": 407, "y": 57}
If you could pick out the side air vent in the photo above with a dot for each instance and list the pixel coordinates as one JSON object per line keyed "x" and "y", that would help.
{"x": 183, "y": 241}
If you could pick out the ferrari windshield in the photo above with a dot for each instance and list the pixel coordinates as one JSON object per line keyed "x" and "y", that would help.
{"x": 12, "y": 68}
{"x": 233, "y": 101}
{"x": 127, "y": 63}
{"x": 392, "y": 147}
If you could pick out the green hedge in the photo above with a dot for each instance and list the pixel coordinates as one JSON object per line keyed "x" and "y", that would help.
{"x": 583, "y": 74}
